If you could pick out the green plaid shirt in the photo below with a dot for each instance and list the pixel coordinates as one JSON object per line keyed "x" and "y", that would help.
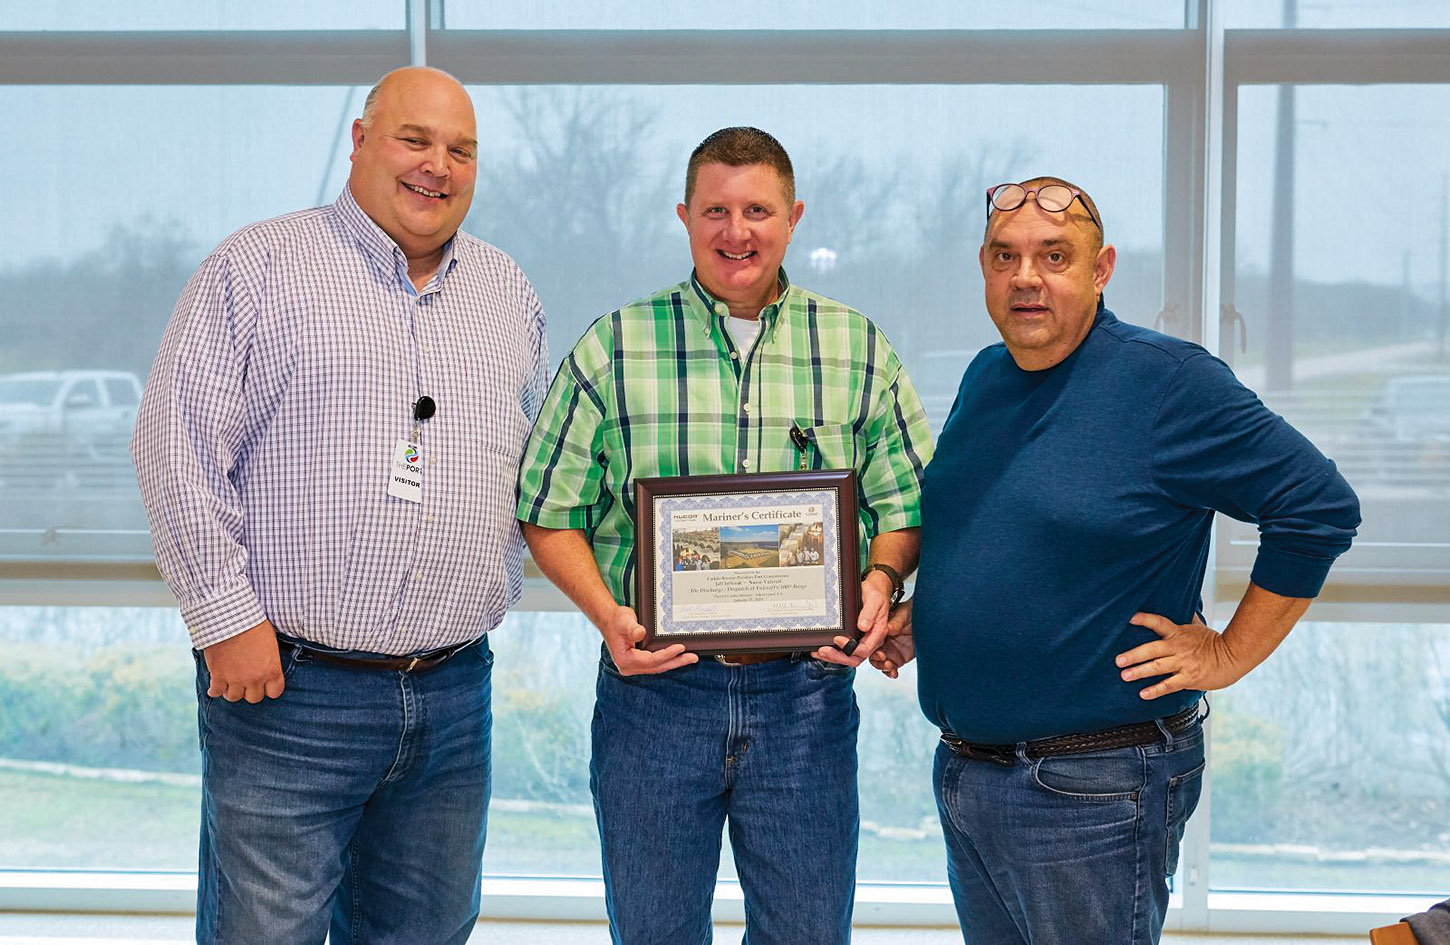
{"x": 658, "y": 388}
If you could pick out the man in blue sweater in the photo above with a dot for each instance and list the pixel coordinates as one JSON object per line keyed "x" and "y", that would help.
{"x": 1065, "y": 533}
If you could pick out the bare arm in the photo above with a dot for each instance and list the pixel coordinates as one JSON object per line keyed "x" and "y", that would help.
{"x": 897, "y": 550}
{"x": 564, "y": 556}
{"x": 1194, "y": 656}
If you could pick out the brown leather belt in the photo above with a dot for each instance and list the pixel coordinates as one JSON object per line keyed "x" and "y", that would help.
{"x": 401, "y": 664}
{"x": 1124, "y": 736}
{"x": 749, "y": 659}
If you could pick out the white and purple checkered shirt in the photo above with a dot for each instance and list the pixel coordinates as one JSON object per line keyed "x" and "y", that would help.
{"x": 265, "y": 440}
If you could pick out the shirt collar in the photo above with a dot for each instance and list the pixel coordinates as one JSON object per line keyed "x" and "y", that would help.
{"x": 711, "y": 306}
{"x": 380, "y": 250}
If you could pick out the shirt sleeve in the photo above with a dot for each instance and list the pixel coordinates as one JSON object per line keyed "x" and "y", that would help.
{"x": 898, "y": 447}
{"x": 533, "y": 395}
{"x": 560, "y": 479}
{"x": 1217, "y": 446}
{"x": 189, "y": 432}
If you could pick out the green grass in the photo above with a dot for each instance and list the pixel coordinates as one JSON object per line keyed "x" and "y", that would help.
{"x": 59, "y": 822}
{"x": 50, "y": 821}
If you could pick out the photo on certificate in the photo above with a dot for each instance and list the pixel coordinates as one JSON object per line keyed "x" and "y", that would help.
{"x": 750, "y": 563}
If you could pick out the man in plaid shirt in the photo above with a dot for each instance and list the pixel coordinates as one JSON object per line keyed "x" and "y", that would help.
{"x": 712, "y": 376}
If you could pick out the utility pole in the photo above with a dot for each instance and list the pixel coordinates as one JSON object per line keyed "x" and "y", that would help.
{"x": 1279, "y": 330}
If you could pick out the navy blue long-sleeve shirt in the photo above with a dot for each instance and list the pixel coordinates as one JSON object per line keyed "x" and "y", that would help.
{"x": 1063, "y": 501}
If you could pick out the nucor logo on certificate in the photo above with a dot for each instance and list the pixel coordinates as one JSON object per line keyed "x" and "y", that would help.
{"x": 747, "y": 563}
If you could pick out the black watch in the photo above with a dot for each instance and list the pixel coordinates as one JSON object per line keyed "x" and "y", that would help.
{"x": 898, "y": 587}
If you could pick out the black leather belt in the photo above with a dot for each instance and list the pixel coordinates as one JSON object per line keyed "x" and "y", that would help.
{"x": 1124, "y": 736}
{"x": 401, "y": 664}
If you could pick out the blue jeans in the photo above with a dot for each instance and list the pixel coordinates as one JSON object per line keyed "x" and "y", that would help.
{"x": 1070, "y": 849}
{"x": 356, "y": 800}
{"x": 770, "y": 747}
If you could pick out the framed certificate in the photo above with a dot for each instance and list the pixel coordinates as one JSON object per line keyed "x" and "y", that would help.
{"x": 763, "y": 563}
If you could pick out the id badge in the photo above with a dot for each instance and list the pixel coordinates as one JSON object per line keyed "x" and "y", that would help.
{"x": 405, "y": 480}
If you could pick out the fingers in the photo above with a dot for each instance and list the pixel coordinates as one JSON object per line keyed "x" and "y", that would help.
{"x": 834, "y": 654}
{"x": 1156, "y": 622}
{"x": 887, "y": 666}
{"x": 874, "y": 609}
{"x": 1144, "y": 653}
{"x": 855, "y": 652}
{"x": 900, "y": 620}
{"x": 1159, "y": 689}
{"x": 1158, "y": 666}
{"x": 633, "y": 662}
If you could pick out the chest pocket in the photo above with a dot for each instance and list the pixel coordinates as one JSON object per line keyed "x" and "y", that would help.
{"x": 834, "y": 446}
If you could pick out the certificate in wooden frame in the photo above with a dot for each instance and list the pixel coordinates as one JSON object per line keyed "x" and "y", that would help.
{"x": 758, "y": 563}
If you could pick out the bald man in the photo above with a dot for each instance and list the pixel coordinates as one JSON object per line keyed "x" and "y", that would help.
{"x": 326, "y": 450}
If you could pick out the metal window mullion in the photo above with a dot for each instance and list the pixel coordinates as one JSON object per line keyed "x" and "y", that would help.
{"x": 784, "y": 57}
{"x": 1215, "y": 164}
{"x": 417, "y": 18}
{"x": 243, "y": 57}
{"x": 1336, "y": 57}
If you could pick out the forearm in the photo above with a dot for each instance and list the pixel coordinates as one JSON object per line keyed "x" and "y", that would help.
{"x": 565, "y": 558}
{"x": 897, "y": 550}
{"x": 1260, "y": 623}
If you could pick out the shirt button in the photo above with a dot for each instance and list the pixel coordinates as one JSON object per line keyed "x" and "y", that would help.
{"x": 432, "y": 518}
{"x": 745, "y": 463}
{"x": 418, "y": 576}
{"x": 432, "y": 461}
{"x": 747, "y": 408}
{"x": 735, "y": 356}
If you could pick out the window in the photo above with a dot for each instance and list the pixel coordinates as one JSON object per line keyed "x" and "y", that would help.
{"x": 1338, "y": 314}
{"x": 1331, "y": 764}
{"x": 898, "y": 117}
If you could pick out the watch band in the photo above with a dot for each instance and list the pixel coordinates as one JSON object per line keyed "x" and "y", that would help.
{"x": 898, "y": 586}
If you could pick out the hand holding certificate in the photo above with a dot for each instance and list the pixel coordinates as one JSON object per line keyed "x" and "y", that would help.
{"x": 761, "y": 563}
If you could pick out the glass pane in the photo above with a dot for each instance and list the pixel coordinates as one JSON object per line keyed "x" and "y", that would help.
{"x": 1331, "y": 764}
{"x": 99, "y": 766}
{"x": 203, "y": 15}
{"x": 98, "y": 754}
{"x": 1363, "y": 14}
{"x": 1344, "y": 304}
{"x": 541, "y": 817}
{"x": 580, "y": 186}
{"x": 93, "y": 264}
{"x": 850, "y": 15}
{"x": 901, "y": 839}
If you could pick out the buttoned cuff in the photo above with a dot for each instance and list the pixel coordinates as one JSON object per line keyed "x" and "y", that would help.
{"x": 222, "y": 616}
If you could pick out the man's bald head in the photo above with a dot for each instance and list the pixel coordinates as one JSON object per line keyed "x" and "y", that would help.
{"x": 413, "y": 160}
{"x": 370, "y": 104}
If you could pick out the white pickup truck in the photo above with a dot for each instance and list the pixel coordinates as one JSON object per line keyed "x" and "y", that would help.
{"x": 63, "y": 422}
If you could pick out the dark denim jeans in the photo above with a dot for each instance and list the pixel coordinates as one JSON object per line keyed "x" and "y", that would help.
{"x": 357, "y": 800}
{"x": 770, "y": 747}
{"x": 1071, "y": 849}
